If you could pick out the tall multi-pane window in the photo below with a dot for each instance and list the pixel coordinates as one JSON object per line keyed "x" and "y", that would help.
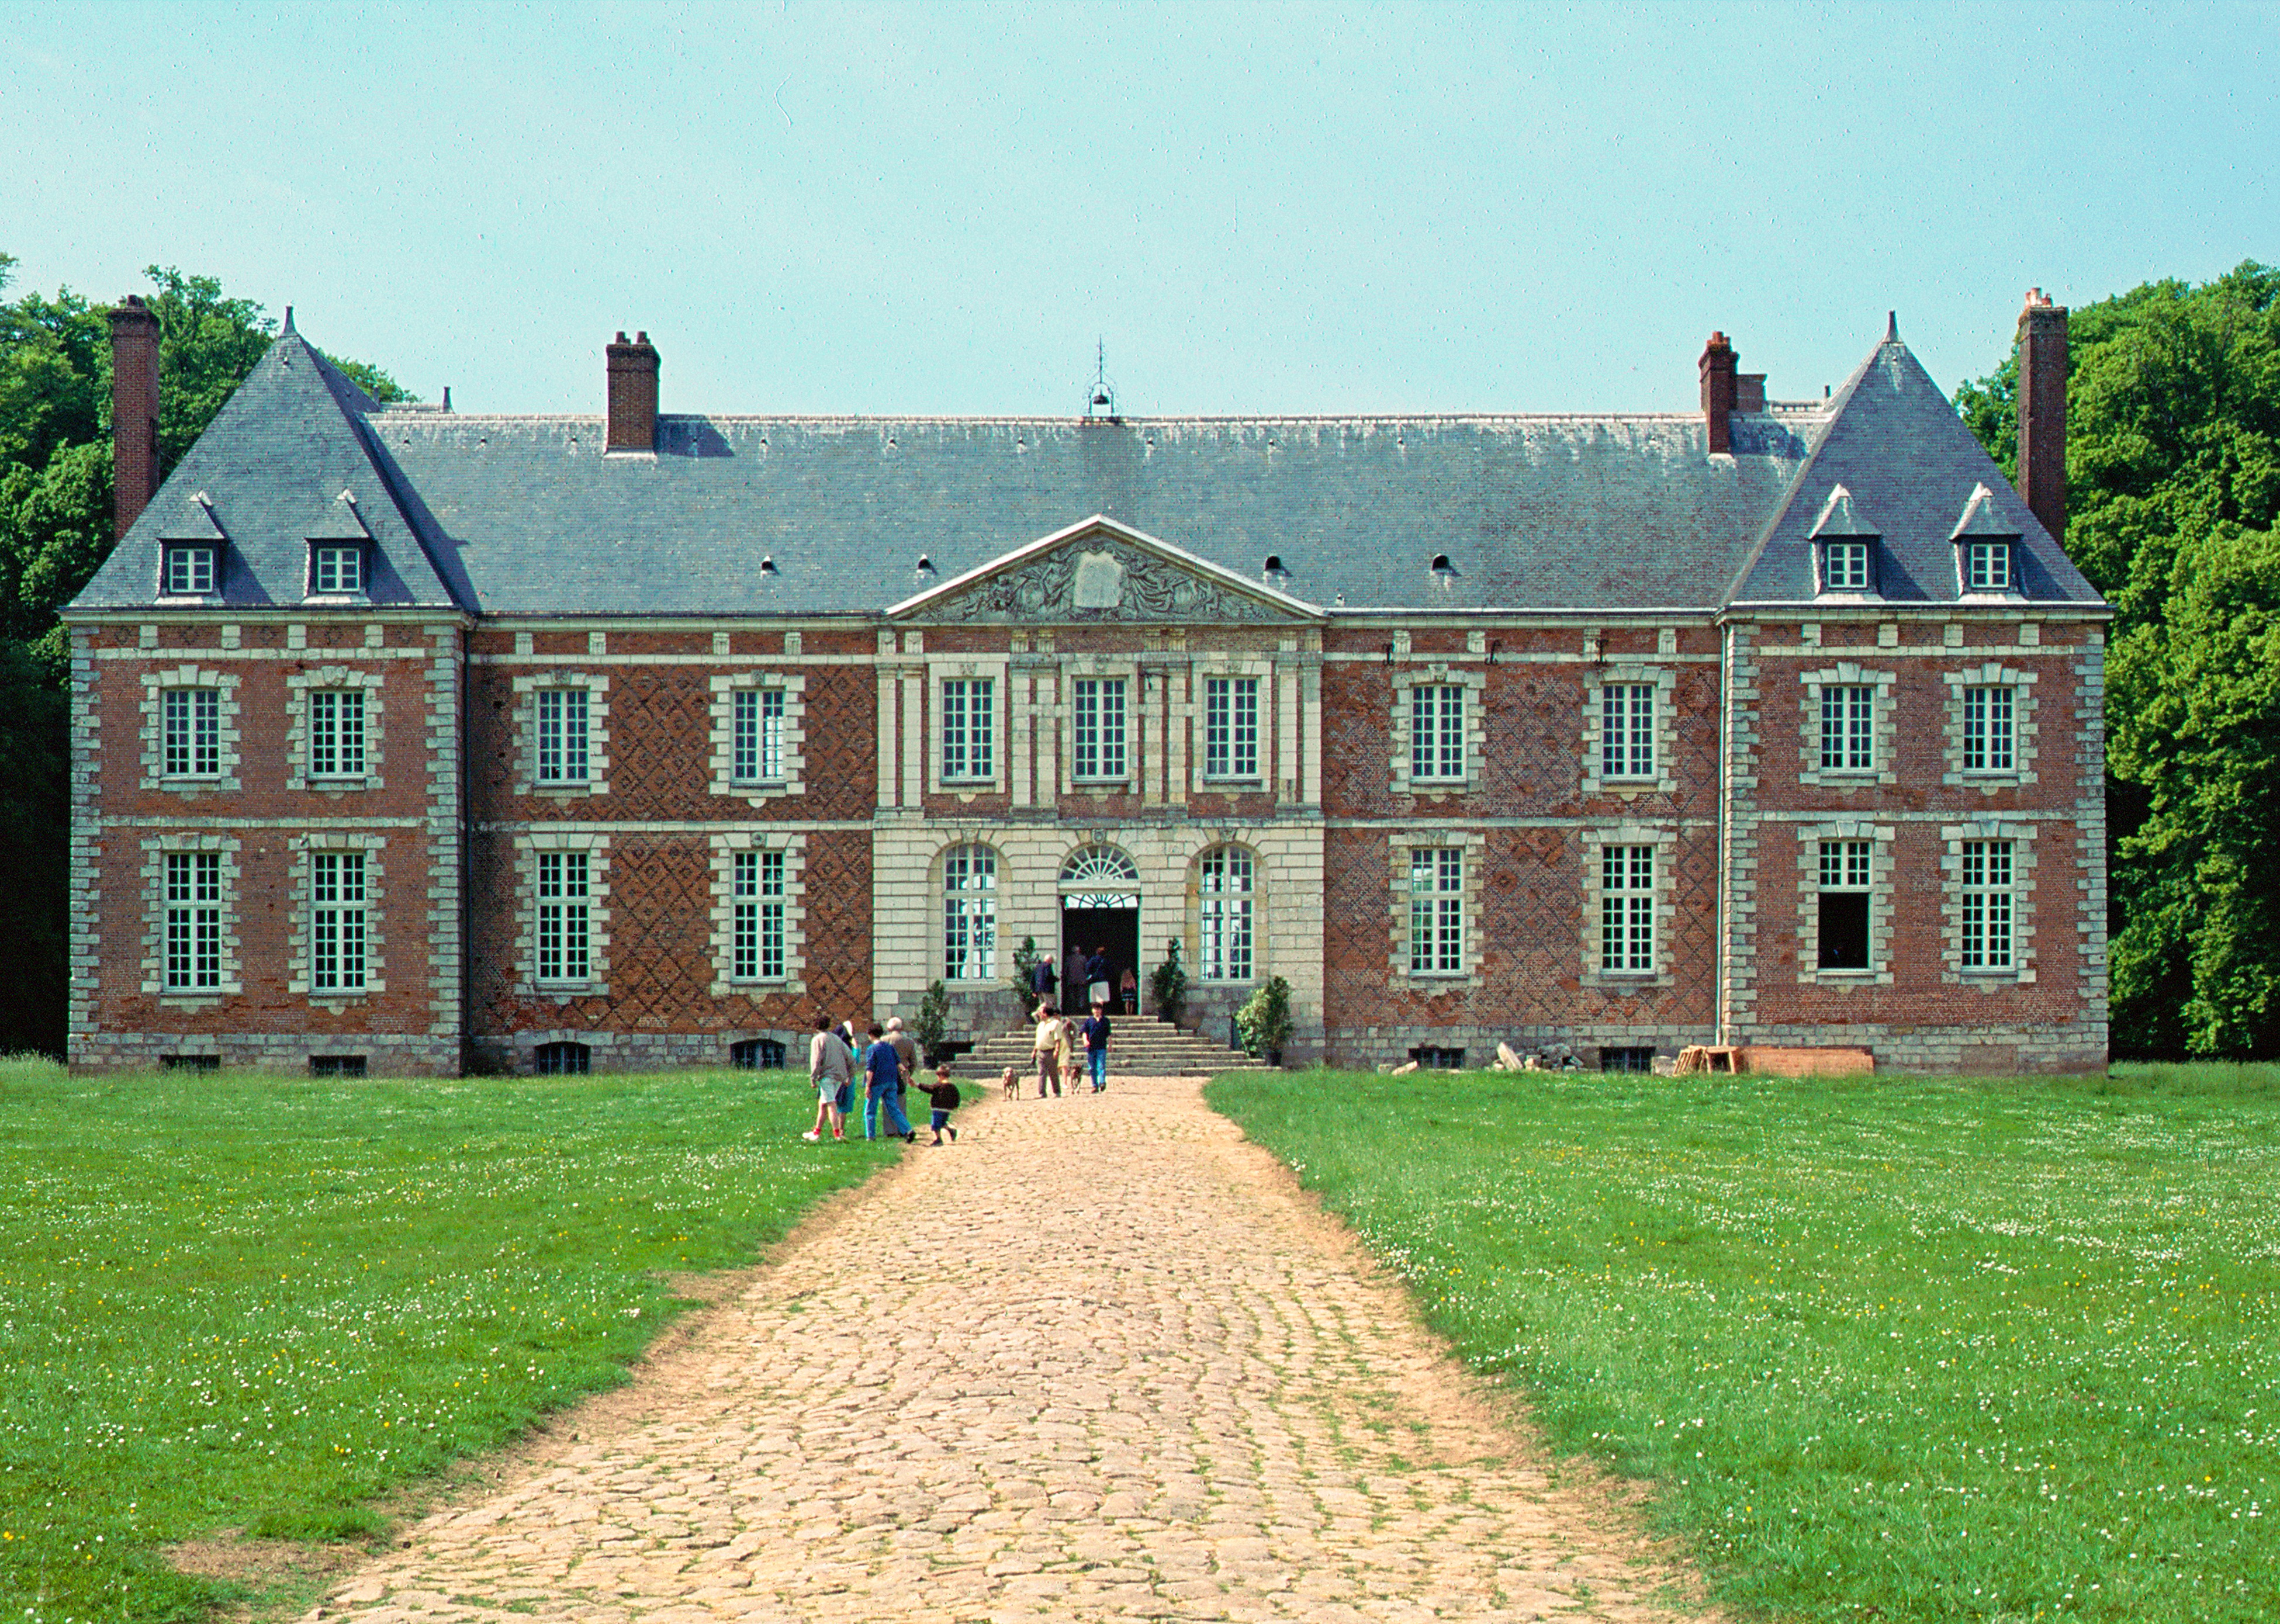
{"x": 1098, "y": 731}
{"x": 193, "y": 921}
{"x": 969, "y": 728}
{"x": 1987, "y": 904}
{"x": 562, "y": 714}
{"x": 192, "y": 718}
{"x": 756, "y": 891}
{"x": 1231, "y": 727}
{"x": 969, "y": 914}
{"x": 1987, "y": 730}
{"x": 336, "y": 922}
{"x": 1225, "y": 891}
{"x": 1845, "y": 567}
{"x": 1437, "y": 731}
{"x": 337, "y": 733}
{"x": 757, "y": 720}
{"x": 1848, "y": 729}
{"x": 1987, "y": 567}
{"x": 565, "y": 918}
{"x": 1842, "y": 904}
{"x": 1627, "y": 730}
{"x": 1627, "y": 907}
{"x": 1437, "y": 910}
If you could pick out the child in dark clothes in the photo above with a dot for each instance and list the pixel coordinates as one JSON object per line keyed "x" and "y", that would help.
{"x": 944, "y": 1095}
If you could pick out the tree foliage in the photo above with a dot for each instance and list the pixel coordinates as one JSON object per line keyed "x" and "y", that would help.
{"x": 2173, "y": 490}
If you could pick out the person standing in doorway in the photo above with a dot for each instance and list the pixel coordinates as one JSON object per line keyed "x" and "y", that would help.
{"x": 1045, "y": 1050}
{"x": 830, "y": 1068}
{"x": 1096, "y": 990}
{"x": 1096, "y": 1045}
{"x": 1043, "y": 981}
{"x": 882, "y": 1090}
{"x": 1127, "y": 990}
{"x": 1073, "y": 980}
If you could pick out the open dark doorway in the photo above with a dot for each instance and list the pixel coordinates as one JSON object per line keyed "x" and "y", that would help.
{"x": 1116, "y": 929}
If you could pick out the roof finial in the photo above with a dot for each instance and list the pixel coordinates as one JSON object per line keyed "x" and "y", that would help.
{"x": 1892, "y": 327}
{"x": 289, "y": 323}
{"x": 1102, "y": 400}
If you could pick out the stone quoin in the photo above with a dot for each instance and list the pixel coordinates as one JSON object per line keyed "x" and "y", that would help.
{"x": 412, "y": 740}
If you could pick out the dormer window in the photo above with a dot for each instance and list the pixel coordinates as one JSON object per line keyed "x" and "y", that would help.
{"x": 188, "y": 569}
{"x": 1986, "y": 566}
{"x": 335, "y": 570}
{"x": 1845, "y": 567}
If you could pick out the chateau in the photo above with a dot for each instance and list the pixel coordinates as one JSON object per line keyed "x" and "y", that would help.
{"x": 421, "y": 741}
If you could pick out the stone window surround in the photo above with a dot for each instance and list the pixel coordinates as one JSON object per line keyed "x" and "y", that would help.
{"x": 1110, "y": 667}
{"x": 1665, "y": 731}
{"x": 1201, "y": 670}
{"x": 154, "y": 935}
{"x": 527, "y": 848}
{"x": 1664, "y": 839}
{"x": 1401, "y": 844}
{"x": 725, "y": 688}
{"x": 2021, "y": 834}
{"x": 155, "y": 684}
{"x": 598, "y": 732}
{"x": 2023, "y": 729}
{"x": 725, "y": 848}
{"x": 996, "y": 670}
{"x": 1883, "y": 726}
{"x": 298, "y": 687}
{"x": 1257, "y": 896}
{"x": 376, "y": 968}
{"x": 1880, "y": 837}
{"x": 1439, "y": 674}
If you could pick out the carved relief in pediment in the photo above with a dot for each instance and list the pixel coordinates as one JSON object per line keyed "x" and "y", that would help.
{"x": 1101, "y": 577}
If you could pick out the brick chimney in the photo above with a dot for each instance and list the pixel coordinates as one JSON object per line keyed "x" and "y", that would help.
{"x": 133, "y": 410}
{"x": 1718, "y": 386}
{"x": 632, "y": 395}
{"x": 2042, "y": 410}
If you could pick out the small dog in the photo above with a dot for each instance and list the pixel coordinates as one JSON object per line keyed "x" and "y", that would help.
{"x": 1012, "y": 1084}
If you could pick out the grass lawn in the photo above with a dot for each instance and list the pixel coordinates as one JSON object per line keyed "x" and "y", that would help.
{"x": 1888, "y": 1348}
{"x": 240, "y": 1300}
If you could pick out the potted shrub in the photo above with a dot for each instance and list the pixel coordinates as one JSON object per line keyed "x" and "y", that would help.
{"x": 1264, "y": 1021}
{"x": 1167, "y": 984}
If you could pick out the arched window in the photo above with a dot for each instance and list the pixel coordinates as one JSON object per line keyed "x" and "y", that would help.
{"x": 1224, "y": 895}
{"x": 560, "y": 1059}
{"x": 1100, "y": 877}
{"x": 969, "y": 914}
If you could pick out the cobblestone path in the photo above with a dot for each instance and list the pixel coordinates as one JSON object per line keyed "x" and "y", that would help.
{"x": 1097, "y": 1360}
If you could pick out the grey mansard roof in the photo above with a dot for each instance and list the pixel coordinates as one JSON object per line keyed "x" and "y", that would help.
{"x": 525, "y": 515}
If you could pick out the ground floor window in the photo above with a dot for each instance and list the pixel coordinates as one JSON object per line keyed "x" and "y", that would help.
{"x": 561, "y": 1059}
{"x": 1225, "y": 934}
{"x": 1626, "y": 1060}
{"x": 335, "y": 1066}
{"x": 1843, "y": 904}
{"x": 763, "y": 1054}
{"x": 1627, "y": 907}
{"x": 193, "y": 921}
{"x": 1437, "y": 911}
{"x": 1987, "y": 904}
{"x": 189, "y": 1062}
{"x": 969, "y": 914}
{"x": 1432, "y": 1059}
{"x": 756, "y": 898}
{"x": 565, "y": 898}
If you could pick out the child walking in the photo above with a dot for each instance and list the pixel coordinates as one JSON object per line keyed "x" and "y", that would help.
{"x": 943, "y": 1093}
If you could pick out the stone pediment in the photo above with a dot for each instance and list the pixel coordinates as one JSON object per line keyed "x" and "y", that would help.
{"x": 1102, "y": 571}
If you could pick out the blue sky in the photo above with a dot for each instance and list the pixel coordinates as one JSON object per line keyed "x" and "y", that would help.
{"x": 940, "y": 209}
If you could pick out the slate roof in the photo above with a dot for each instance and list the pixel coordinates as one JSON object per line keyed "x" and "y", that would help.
{"x": 525, "y": 515}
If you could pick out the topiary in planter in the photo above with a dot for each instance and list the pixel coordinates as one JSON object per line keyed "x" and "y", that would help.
{"x": 1264, "y": 1021}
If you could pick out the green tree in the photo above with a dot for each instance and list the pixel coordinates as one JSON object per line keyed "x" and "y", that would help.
{"x": 2173, "y": 491}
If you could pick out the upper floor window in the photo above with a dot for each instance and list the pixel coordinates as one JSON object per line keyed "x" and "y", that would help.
{"x": 189, "y": 571}
{"x": 756, "y": 895}
{"x": 1845, "y": 567}
{"x": 1986, "y": 566}
{"x": 191, "y": 719}
{"x": 1436, "y": 736}
{"x": 562, "y": 713}
{"x": 336, "y": 922}
{"x": 1987, "y": 904}
{"x": 1225, "y": 937}
{"x": 1627, "y": 730}
{"x": 336, "y": 569}
{"x": 1231, "y": 727}
{"x": 193, "y": 921}
{"x": 1848, "y": 728}
{"x": 1098, "y": 729}
{"x": 757, "y": 726}
{"x": 1843, "y": 904}
{"x": 1437, "y": 911}
{"x": 565, "y": 916}
{"x": 1988, "y": 733}
{"x": 969, "y": 914}
{"x": 337, "y": 733}
{"x": 1627, "y": 907}
{"x": 970, "y": 738}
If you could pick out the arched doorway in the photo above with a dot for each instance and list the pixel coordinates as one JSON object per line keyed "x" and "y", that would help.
{"x": 1100, "y": 908}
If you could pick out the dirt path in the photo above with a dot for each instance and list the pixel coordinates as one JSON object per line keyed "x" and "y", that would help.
{"x": 1098, "y": 1360}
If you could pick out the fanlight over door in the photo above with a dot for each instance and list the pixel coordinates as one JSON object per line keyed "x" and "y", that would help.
{"x": 1100, "y": 877}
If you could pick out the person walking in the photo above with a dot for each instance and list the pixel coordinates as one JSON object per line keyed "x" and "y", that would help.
{"x": 855, "y": 1048}
{"x": 906, "y": 1051}
{"x": 830, "y": 1068}
{"x": 882, "y": 1068}
{"x": 942, "y": 1095}
{"x": 1097, "y": 989}
{"x": 1073, "y": 981}
{"x": 1096, "y": 1045}
{"x": 1045, "y": 1050}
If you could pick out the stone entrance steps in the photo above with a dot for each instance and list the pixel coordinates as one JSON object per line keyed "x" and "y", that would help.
{"x": 1141, "y": 1046}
